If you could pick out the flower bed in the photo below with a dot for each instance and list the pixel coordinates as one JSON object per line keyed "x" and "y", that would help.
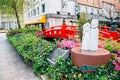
{"x": 30, "y": 44}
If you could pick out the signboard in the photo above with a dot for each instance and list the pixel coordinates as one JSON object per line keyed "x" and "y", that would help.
{"x": 58, "y": 53}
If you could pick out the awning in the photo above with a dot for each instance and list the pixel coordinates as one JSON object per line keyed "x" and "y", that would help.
{"x": 32, "y": 22}
{"x": 42, "y": 19}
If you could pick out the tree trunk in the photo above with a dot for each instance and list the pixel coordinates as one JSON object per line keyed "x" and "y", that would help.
{"x": 16, "y": 13}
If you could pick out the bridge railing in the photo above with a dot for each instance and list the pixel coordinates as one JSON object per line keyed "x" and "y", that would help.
{"x": 59, "y": 31}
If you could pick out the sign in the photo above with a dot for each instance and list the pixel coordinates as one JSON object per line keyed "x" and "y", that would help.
{"x": 88, "y": 68}
{"x": 58, "y": 53}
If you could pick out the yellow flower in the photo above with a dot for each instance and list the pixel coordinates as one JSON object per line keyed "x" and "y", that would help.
{"x": 74, "y": 75}
{"x": 79, "y": 75}
{"x": 66, "y": 76}
{"x": 59, "y": 73}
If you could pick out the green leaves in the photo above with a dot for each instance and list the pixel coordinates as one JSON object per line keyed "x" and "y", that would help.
{"x": 82, "y": 20}
{"x": 44, "y": 49}
{"x": 32, "y": 48}
{"x": 36, "y": 50}
{"x": 12, "y": 9}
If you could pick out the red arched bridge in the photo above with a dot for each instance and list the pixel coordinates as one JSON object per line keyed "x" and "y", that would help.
{"x": 69, "y": 31}
{"x": 62, "y": 31}
{"x": 104, "y": 32}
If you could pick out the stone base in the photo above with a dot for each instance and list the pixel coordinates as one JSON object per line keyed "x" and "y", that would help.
{"x": 91, "y": 58}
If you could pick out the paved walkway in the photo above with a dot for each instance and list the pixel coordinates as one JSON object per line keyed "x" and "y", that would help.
{"x": 12, "y": 67}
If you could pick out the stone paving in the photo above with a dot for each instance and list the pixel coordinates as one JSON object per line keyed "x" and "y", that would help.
{"x": 12, "y": 67}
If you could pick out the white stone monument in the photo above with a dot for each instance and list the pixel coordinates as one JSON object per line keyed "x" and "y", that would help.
{"x": 86, "y": 37}
{"x": 90, "y": 36}
{"x": 94, "y": 32}
{"x": 89, "y": 60}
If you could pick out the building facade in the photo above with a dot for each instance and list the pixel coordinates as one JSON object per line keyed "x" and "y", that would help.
{"x": 0, "y": 20}
{"x": 56, "y": 10}
{"x": 7, "y": 22}
{"x": 105, "y": 8}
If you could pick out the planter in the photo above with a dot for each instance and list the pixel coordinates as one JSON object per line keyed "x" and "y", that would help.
{"x": 89, "y": 60}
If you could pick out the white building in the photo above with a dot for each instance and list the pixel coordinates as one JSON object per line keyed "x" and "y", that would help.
{"x": 54, "y": 11}
{"x": 103, "y": 10}
{"x": 8, "y": 22}
{"x": 0, "y": 20}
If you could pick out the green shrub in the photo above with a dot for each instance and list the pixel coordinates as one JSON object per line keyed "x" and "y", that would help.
{"x": 13, "y": 32}
{"x": 44, "y": 50}
{"x": 82, "y": 20}
{"x": 31, "y": 30}
{"x": 103, "y": 73}
{"x": 33, "y": 49}
{"x": 25, "y": 44}
{"x": 112, "y": 46}
{"x": 64, "y": 70}
{"x": 36, "y": 50}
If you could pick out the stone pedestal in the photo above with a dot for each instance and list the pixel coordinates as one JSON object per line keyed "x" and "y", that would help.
{"x": 81, "y": 58}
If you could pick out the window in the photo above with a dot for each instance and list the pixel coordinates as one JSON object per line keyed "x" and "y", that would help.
{"x": 97, "y": 1}
{"x": 28, "y": 3}
{"x": 79, "y": 8}
{"x": 28, "y": 14}
{"x": 92, "y": 11}
{"x": 43, "y": 8}
{"x": 58, "y": 12}
{"x": 31, "y": 13}
{"x": 102, "y": 12}
{"x": 34, "y": 0}
{"x": 98, "y": 12}
{"x": 93, "y": 1}
{"x": 86, "y": 9}
{"x": 38, "y": 10}
{"x": 34, "y": 12}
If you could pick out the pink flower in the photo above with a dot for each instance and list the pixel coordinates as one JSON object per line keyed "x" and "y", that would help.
{"x": 101, "y": 44}
{"x": 39, "y": 33}
{"x": 115, "y": 55}
{"x": 117, "y": 65}
{"x": 67, "y": 44}
{"x": 118, "y": 53}
{"x": 119, "y": 60}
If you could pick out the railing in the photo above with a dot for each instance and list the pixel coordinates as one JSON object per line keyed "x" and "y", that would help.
{"x": 64, "y": 31}
{"x": 105, "y": 33}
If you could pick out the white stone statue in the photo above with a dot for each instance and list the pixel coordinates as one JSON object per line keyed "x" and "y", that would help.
{"x": 94, "y": 32}
{"x": 86, "y": 37}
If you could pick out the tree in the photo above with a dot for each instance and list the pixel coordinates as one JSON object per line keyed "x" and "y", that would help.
{"x": 13, "y": 7}
{"x": 111, "y": 9}
{"x": 117, "y": 9}
{"x": 83, "y": 18}
{"x": 108, "y": 10}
